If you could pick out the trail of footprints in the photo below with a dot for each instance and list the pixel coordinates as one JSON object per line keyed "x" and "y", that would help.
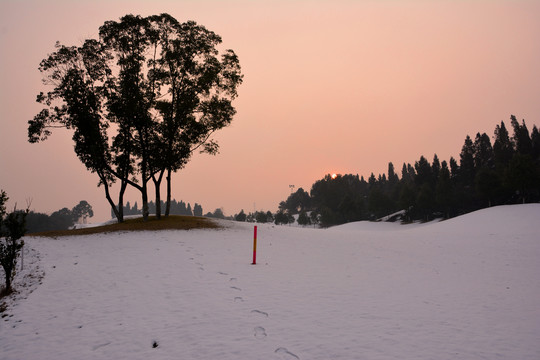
{"x": 259, "y": 332}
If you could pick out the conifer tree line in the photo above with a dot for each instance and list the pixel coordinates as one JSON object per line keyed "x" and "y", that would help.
{"x": 487, "y": 173}
{"x": 176, "y": 208}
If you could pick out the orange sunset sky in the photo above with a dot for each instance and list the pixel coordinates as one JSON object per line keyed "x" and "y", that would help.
{"x": 329, "y": 87}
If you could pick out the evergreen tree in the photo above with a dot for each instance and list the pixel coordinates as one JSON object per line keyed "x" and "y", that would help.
{"x": 466, "y": 164}
{"x": 521, "y": 139}
{"x": 424, "y": 173}
{"x": 241, "y": 216}
{"x": 483, "y": 152}
{"x": 393, "y": 179}
{"x": 218, "y": 214}
{"x": 502, "y": 147}
{"x": 523, "y": 176}
{"x": 454, "y": 168}
{"x": 487, "y": 184}
{"x": 197, "y": 210}
{"x": 303, "y": 219}
{"x": 261, "y": 217}
{"x": 535, "y": 142}
{"x": 281, "y": 218}
{"x": 435, "y": 169}
{"x": 444, "y": 190}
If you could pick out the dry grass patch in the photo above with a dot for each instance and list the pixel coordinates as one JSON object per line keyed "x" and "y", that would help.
{"x": 173, "y": 222}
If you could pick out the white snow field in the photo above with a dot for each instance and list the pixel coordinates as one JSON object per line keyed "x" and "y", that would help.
{"x": 466, "y": 288}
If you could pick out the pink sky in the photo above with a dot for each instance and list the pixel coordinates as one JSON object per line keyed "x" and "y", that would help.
{"x": 330, "y": 86}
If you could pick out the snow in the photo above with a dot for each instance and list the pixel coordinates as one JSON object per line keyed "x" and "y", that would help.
{"x": 465, "y": 288}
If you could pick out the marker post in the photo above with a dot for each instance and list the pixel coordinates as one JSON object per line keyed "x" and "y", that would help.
{"x": 254, "y": 246}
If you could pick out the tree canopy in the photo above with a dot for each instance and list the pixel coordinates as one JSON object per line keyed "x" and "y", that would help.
{"x": 140, "y": 100}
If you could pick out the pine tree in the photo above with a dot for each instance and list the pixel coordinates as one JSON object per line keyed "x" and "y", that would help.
{"x": 483, "y": 152}
{"x": 502, "y": 147}
{"x": 535, "y": 142}
{"x": 521, "y": 139}
{"x": 241, "y": 216}
{"x": 197, "y": 210}
{"x": 466, "y": 163}
{"x": 444, "y": 190}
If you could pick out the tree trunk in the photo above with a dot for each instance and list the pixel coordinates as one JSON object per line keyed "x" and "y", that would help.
{"x": 8, "y": 280}
{"x": 123, "y": 187}
{"x": 144, "y": 192}
{"x": 168, "y": 207}
{"x": 157, "y": 185}
{"x": 118, "y": 212}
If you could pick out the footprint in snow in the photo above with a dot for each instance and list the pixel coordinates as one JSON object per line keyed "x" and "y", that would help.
{"x": 259, "y": 312}
{"x": 238, "y": 298}
{"x": 222, "y": 273}
{"x": 236, "y": 288}
{"x": 232, "y": 279}
{"x": 94, "y": 348}
{"x": 260, "y": 332}
{"x": 285, "y": 354}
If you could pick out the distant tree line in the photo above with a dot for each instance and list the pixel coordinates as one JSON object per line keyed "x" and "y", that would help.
{"x": 176, "y": 208}
{"x": 506, "y": 171}
{"x": 281, "y": 217}
{"x": 62, "y": 219}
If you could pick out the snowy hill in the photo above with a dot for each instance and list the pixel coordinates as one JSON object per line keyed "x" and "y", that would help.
{"x": 466, "y": 288}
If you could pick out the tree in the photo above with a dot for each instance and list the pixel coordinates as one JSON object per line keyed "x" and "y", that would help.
{"x": 444, "y": 190}
{"x": 296, "y": 202}
{"x": 3, "y": 200}
{"x": 521, "y": 139}
{"x": 535, "y": 141}
{"x": 197, "y": 210}
{"x": 502, "y": 147}
{"x": 12, "y": 229}
{"x": 523, "y": 176}
{"x": 393, "y": 178}
{"x": 218, "y": 214}
{"x": 199, "y": 90}
{"x": 82, "y": 210}
{"x": 424, "y": 173}
{"x": 78, "y": 75}
{"x": 303, "y": 219}
{"x": 262, "y": 217}
{"x": 140, "y": 100}
{"x": 281, "y": 218}
{"x": 487, "y": 184}
{"x": 435, "y": 169}
{"x": 483, "y": 152}
{"x": 241, "y": 216}
{"x": 466, "y": 164}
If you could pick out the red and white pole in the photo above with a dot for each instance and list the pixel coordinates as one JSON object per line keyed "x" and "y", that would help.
{"x": 254, "y": 245}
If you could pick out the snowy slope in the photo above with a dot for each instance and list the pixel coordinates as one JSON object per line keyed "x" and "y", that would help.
{"x": 466, "y": 288}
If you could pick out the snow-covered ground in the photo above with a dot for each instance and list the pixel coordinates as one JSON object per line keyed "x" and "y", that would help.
{"x": 466, "y": 288}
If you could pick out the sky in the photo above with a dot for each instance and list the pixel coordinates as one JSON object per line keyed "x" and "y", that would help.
{"x": 337, "y": 86}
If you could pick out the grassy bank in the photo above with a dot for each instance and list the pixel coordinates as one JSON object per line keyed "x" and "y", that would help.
{"x": 173, "y": 222}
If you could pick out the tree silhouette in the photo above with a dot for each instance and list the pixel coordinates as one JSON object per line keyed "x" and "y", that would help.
{"x": 140, "y": 100}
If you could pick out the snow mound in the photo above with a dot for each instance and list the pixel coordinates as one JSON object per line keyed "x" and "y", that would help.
{"x": 466, "y": 288}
